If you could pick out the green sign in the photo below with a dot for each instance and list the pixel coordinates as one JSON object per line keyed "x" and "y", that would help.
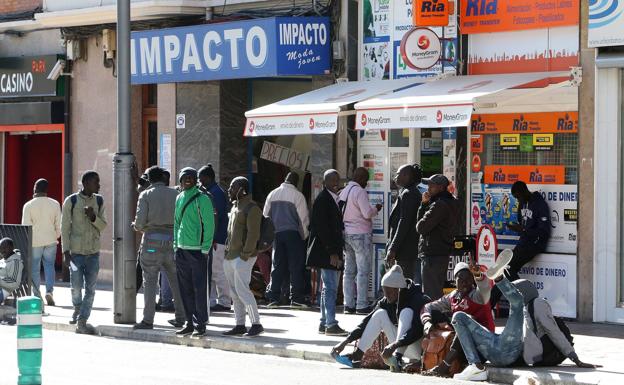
{"x": 526, "y": 143}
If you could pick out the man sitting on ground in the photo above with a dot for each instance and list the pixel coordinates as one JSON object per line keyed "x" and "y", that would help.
{"x": 11, "y": 268}
{"x": 396, "y": 314}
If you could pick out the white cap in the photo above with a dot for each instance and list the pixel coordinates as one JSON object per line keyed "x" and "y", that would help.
{"x": 459, "y": 267}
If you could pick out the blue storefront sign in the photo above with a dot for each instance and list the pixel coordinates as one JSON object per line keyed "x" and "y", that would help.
{"x": 277, "y": 46}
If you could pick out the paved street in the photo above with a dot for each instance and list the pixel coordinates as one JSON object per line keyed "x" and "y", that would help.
{"x": 74, "y": 359}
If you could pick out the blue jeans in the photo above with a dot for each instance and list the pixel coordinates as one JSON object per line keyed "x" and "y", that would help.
{"x": 500, "y": 349}
{"x": 166, "y": 295}
{"x": 358, "y": 249}
{"x": 289, "y": 256}
{"x": 85, "y": 276}
{"x": 48, "y": 255}
{"x": 328, "y": 297}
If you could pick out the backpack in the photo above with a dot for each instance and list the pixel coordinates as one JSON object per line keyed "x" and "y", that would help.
{"x": 436, "y": 346}
{"x": 267, "y": 230}
{"x": 551, "y": 356}
{"x": 74, "y": 199}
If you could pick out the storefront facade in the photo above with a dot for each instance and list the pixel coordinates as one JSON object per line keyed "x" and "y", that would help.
{"x": 605, "y": 27}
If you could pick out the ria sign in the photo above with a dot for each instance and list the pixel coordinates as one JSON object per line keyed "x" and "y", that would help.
{"x": 421, "y": 48}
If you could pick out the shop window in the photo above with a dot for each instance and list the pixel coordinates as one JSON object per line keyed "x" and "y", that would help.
{"x": 399, "y": 138}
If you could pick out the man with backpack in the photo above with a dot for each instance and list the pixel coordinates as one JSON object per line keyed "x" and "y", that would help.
{"x": 244, "y": 232}
{"x": 193, "y": 231}
{"x": 82, "y": 222}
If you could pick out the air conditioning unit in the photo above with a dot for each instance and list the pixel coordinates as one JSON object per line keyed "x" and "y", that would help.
{"x": 109, "y": 43}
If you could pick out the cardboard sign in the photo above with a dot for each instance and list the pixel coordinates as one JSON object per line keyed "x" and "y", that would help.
{"x": 431, "y": 13}
{"x": 538, "y": 122}
{"x": 482, "y": 16}
{"x": 284, "y": 155}
{"x": 528, "y": 174}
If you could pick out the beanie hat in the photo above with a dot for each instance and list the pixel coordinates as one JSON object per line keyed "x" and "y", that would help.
{"x": 394, "y": 278}
{"x": 459, "y": 267}
{"x": 187, "y": 171}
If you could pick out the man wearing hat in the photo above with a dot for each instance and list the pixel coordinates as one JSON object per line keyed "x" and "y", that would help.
{"x": 437, "y": 224}
{"x": 396, "y": 314}
{"x": 193, "y": 231}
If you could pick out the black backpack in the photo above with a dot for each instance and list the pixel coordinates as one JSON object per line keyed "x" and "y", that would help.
{"x": 267, "y": 230}
{"x": 551, "y": 355}
{"x": 74, "y": 199}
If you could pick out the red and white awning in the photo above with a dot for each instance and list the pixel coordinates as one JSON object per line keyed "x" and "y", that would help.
{"x": 316, "y": 112}
{"x": 446, "y": 102}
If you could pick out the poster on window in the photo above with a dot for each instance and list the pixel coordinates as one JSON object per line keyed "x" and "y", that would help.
{"x": 374, "y": 160}
{"x": 376, "y": 61}
{"x": 376, "y": 20}
{"x": 375, "y": 198}
{"x": 494, "y": 205}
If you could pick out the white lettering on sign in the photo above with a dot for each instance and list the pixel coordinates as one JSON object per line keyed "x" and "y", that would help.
{"x": 212, "y": 62}
{"x": 150, "y": 55}
{"x": 16, "y": 82}
{"x": 256, "y": 33}
{"x": 284, "y": 155}
{"x": 191, "y": 56}
{"x": 233, "y": 36}
{"x": 300, "y": 34}
{"x": 172, "y": 51}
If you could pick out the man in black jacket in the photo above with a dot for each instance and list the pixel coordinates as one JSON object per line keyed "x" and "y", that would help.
{"x": 437, "y": 224}
{"x": 534, "y": 229}
{"x": 397, "y": 315}
{"x": 325, "y": 247}
{"x": 402, "y": 246}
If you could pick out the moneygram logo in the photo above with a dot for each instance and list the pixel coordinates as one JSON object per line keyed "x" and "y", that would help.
{"x": 439, "y": 117}
{"x": 423, "y": 42}
{"x": 311, "y": 124}
{"x": 252, "y": 126}
{"x": 486, "y": 243}
{"x": 363, "y": 120}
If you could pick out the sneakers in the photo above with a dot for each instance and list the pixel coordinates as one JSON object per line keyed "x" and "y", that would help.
{"x": 83, "y": 327}
{"x": 175, "y": 323}
{"x": 219, "y": 307}
{"x": 472, "y": 373}
{"x": 336, "y": 330}
{"x": 143, "y": 326}
{"x": 343, "y": 360}
{"x": 199, "y": 332}
{"x": 75, "y": 316}
{"x": 349, "y": 310}
{"x": 499, "y": 266}
{"x": 273, "y": 305}
{"x": 364, "y": 311}
{"x": 49, "y": 299}
{"x": 321, "y": 329}
{"x": 298, "y": 305}
{"x": 255, "y": 330}
{"x": 238, "y": 330}
{"x": 188, "y": 329}
{"x": 393, "y": 363}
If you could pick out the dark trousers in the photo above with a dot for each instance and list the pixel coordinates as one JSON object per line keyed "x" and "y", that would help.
{"x": 192, "y": 271}
{"x": 288, "y": 257}
{"x": 434, "y": 275}
{"x": 521, "y": 256}
{"x": 411, "y": 268}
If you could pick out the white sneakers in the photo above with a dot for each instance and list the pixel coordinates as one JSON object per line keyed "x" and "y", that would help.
{"x": 472, "y": 373}
{"x": 499, "y": 266}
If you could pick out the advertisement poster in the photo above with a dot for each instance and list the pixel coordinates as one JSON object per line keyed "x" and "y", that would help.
{"x": 535, "y": 122}
{"x": 374, "y": 160}
{"x": 376, "y": 61}
{"x": 377, "y": 49}
{"x": 165, "y": 151}
{"x": 449, "y": 157}
{"x": 375, "y": 198}
{"x": 494, "y": 205}
{"x": 554, "y": 276}
{"x": 606, "y": 22}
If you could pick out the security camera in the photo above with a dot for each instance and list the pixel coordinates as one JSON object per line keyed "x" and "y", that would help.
{"x": 57, "y": 70}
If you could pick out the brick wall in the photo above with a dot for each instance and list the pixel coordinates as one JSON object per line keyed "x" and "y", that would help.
{"x": 12, "y": 6}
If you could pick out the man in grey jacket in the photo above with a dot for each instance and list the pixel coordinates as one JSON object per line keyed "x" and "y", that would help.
{"x": 154, "y": 218}
{"x": 11, "y": 269}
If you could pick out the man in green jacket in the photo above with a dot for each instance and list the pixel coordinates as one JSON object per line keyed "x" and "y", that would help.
{"x": 193, "y": 231}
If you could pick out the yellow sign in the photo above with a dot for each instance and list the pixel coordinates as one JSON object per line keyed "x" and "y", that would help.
{"x": 509, "y": 140}
{"x": 543, "y": 140}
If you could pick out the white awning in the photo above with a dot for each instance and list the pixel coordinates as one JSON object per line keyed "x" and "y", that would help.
{"x": 447, "y": 102}
{"x": 316, "y": 112}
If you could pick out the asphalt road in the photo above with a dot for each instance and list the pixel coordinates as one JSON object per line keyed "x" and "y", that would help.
{"x": 70, "y": 359}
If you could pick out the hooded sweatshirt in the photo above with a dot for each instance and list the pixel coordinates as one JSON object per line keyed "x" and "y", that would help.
{"x": 11, "y": 270}
{"x": 534, "y": 217}
{"x": 546, "y": 325}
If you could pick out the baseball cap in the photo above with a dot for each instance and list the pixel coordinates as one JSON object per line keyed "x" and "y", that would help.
{"x": 437, "y": 179}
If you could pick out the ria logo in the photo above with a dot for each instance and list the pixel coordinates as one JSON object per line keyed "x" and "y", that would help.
{"x": 311, "y": 123}
{"x": 252, "y": 126}
{"x": 363, "y": 120}
{"x": 423, "y": 42}
{"x": 605, "y": 12}
{"x": 439, "y": 116}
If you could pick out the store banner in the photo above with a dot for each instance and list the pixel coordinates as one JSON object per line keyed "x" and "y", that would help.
{"x": 537, "y": 122}
{"x": 275, "y": 46}
{"x": 414, "y": 117}
{"x": 554, "y": 276}
{"x": 484, "y": 16}
{"x": 499, "y": 174}
{"x": 27, "y": 76}
{"x": 320, "y": 123}
{"x": 606, "y": 23}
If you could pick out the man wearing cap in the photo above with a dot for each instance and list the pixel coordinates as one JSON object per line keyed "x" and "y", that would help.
{"x": 193, "y": 231}
{"x": 437, "y": 224}
{"x": 396, "y": 314}
{"x": 472, "y": 297}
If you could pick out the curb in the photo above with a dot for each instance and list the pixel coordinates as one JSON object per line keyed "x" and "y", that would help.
{"x": 508, "y": 376}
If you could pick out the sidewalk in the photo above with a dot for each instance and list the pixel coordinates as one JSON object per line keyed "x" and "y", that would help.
{"x": 294, "y": 334}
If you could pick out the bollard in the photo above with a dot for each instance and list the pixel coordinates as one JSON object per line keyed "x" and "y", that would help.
{"x": 29, "y": 340}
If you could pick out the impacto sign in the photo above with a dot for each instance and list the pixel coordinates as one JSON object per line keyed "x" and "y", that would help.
{"x": 242, "y": 49}
{"x": 482, "y": 16}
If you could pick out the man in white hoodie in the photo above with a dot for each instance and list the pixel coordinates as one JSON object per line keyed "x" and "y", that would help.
{"x": 11, "y": 268}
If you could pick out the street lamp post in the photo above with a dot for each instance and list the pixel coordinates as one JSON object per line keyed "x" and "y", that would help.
{"x": 124, "y": 253}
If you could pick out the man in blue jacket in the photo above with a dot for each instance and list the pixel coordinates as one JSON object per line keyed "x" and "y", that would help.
{"x": 219, "y": 295}
{"x": 534, "y": 229}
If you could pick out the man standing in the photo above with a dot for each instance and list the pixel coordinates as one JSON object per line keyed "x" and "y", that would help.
{"x": 534, "y": 229}
{"x": 219, "y": 295}
{"x": 44, "y": 215}
{"x": 154, "y": 217}
{"x": 82, "y": 222}
{"x": 437, "y": 224}
{"x": 402, "y": 244}
{"x": 240, "y": 256}
{"x": 325, "y": 250}
{"x": 193, "y": 232}
{"x": 358, "y": 216}
{"x": 288, "y": 210}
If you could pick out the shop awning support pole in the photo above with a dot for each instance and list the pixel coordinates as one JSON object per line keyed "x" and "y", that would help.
{"x": 124, "y": 253}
